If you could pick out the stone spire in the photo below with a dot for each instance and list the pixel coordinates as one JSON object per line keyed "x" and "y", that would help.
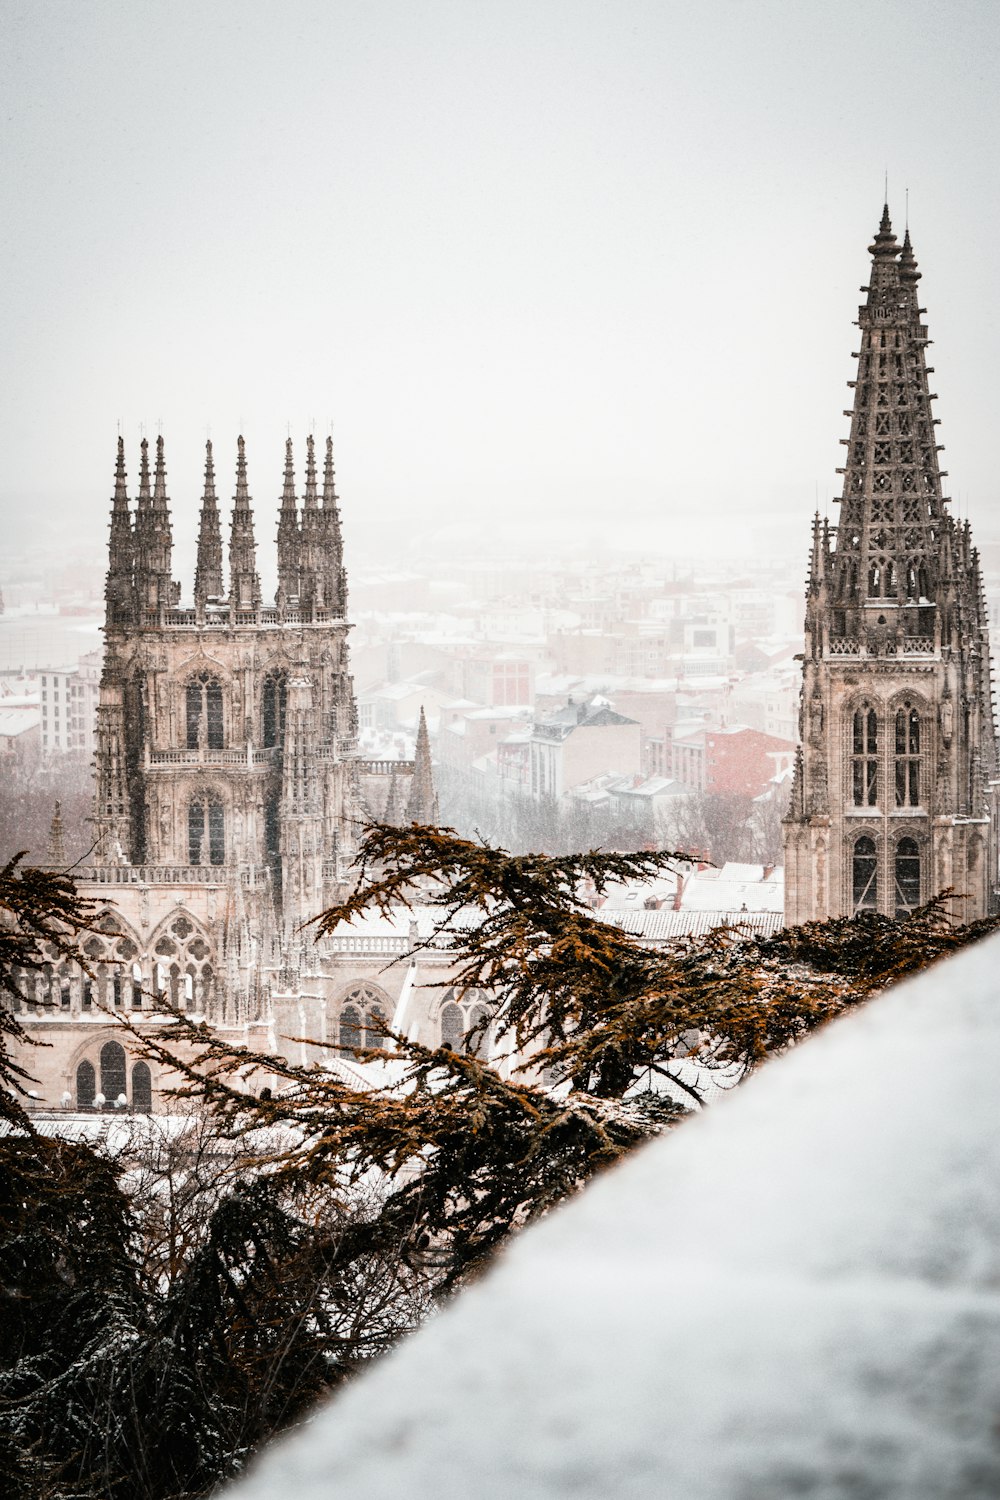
{"x": 289, "y": 538}
{"x": 244, "y": 582}
{"x": 119, "y": 595}
{"x": 155, "y": 592}
{"x": 336, "y": 576}
{"x": 392, "y": 812}
{"x": 313, "y": 574}
{"x": 888, "y": 553}
{"x": 208, "y": 568}
{"x": 57, "y": 843}
{"x": 422, "y": 806}
{"x": 891, "y": 799}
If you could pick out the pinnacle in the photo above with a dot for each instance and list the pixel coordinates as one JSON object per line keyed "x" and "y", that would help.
{"x": 884, "y": 244}
{"x": 908, "y": 262}
{"x": 311, "y": 490}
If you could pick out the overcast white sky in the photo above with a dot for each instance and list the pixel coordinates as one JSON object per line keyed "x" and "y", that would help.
{"x": 570, "y": 262}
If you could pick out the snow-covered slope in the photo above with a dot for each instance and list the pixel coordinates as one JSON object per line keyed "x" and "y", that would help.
{"x": 795, "y": 1294}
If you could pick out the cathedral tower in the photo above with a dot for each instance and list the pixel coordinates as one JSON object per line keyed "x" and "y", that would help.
{"x": 894, "y": 795}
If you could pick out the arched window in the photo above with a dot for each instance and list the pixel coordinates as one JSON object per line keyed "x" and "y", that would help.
{"x": 204, "y": 712}
{"x": 375, "y": 1028}
{"x": 87, "y": 996}
{"x": 452, "y": 1026}
{"x": 112, "y": 1071}
{"x": 142, "y": 1089}
{"x": 86, "y": 1085}
{"x": 350, "y": 1029}
{"x": 136, "y": 987}
{"x": 206, "y": 830}
{"x": 907, "y": 876}
{"x": 460, "y": 1018}
{"x": 864, "y": 875}
{"x": 864, "y": 758}
{"x": 116, "y": 989}
{"x": 907, "y": 757}
{"x": 273, "y": 696}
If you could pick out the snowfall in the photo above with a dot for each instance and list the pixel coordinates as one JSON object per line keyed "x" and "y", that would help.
{"x": 796, "y": 1293}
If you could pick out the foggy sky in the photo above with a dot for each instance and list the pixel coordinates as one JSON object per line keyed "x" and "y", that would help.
{"x": 571, "y": 264}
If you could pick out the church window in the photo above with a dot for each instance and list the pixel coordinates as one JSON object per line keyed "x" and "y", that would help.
{"x": 864, "y": 758}
{"x": 112, "y": 1071}
{"x": 204, "y": 713}
{"x": 350, "y": 1029}
{"x": 206, "y": 830}
{"x": 907, "y": 757}
{"x": 136, "y": 987}
{"x": 461, "y": 1016}
{"x": 86, "y": 1085}
{"x": 864, "y": 873}
{"x": 273, "y": 700}
{"x": 142, "y": 1089}
{"x": 907, "y": 876}
{"x": 116, "y": 989}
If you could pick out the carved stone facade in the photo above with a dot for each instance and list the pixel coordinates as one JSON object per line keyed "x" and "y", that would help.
{"x": 895, "y": 791}
{"x": 229, "y": 794}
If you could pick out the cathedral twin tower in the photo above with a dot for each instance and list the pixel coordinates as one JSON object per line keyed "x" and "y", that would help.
{"x": 895, "y": 791}
{"x": 227, "y": 730}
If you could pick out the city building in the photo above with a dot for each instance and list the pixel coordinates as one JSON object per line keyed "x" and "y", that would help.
{"x": 229, "y": 797}
{"x": 894, "y": 796}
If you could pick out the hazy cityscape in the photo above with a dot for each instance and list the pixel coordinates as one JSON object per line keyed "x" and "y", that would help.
{"x": 499, "y": 772}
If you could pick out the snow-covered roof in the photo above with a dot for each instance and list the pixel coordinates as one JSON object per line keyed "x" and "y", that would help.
{"x": 795, "y": 1293}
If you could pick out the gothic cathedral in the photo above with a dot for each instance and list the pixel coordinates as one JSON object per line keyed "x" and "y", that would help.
{"x": 229, "y": 796}
{"x": 894, "y": 797}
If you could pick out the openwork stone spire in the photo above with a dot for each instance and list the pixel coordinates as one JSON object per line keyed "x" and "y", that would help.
{"x": 313, "y": 573}
{"x": 422, "y": 806}
{"x": 119, "y": 594}
{"x": 155, "y": 592}
{"x": 208, "y": 569}
{"x": 889, "y": 539}
{"x": 336, "y": 576}
{"x": 289, "y": 539}
{"x": 894, "y": 795}
{"x": 244, "y": 581}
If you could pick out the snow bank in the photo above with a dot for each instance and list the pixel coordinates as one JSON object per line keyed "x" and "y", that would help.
{"x": 795, "y": 1294}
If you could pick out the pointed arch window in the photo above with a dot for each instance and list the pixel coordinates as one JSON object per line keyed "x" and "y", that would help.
{"x": 273, "y": 699}
{"x": 86, "y": 1085}
{"x": 350, "y": 1029}
{"x": 205, "y": 724}
{"x": 907, "y": 876}
{"x": 375, "y": 1027}
{"x": 464, "y": 1023}
{"x": 864, "y": 875}
{"x": 206, "y": 830}
{"x": 112, "y": 1071}
{"x": 864, "y": 757}
{"x": 907, "y": 757}
{"x": 142, "y": 1089}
